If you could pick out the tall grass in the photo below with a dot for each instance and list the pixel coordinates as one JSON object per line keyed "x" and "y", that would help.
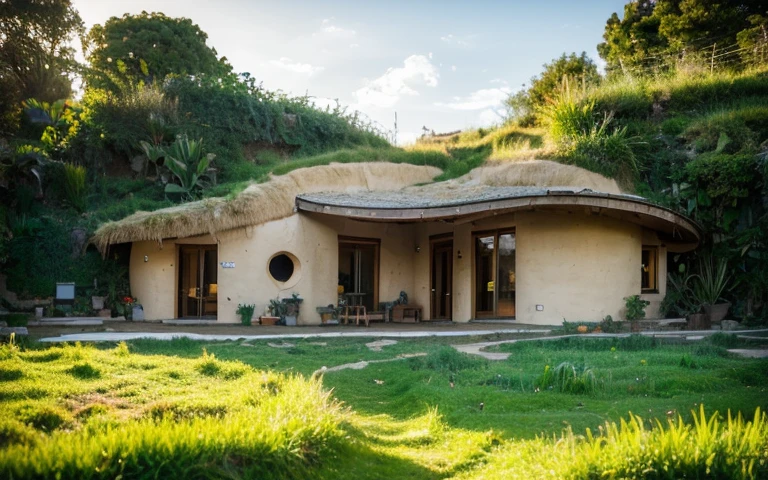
{"x": 74, "y": 186}
{"x": 711, "y": 447}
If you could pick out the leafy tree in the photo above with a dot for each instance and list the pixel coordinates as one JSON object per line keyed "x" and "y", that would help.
{"x": 36, "y": 59}
{"x": 543, "y": 87}
{"x": 653, "y": 30}
{"x": 151, "y": 45}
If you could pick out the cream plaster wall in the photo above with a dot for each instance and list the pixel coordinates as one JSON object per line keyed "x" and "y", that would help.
{"x": 154, "y": 282}
{"x": 578, "y": 267}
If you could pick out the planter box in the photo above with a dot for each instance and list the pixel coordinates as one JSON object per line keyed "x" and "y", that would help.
{"x": 290, "y": 320}
{"x": 265, "y": 320}
{"x": 699, "y": 321}
{"x": 137, "y": 313}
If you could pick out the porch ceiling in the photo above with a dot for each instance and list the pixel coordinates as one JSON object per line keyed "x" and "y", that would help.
{"x": 466, "y": 204}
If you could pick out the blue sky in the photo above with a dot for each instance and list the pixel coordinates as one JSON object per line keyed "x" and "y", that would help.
{"x": 446, "y": 65}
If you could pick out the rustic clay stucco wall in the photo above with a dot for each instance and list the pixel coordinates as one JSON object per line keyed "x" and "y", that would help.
{"x": 154, "y": 282}
{"x": 578, "y": 267}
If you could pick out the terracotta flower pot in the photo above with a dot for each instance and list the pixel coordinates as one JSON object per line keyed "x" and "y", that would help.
{"x": 717, "y": 312}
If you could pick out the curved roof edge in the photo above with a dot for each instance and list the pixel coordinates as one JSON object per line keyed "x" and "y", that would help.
{"x": 673, "y": 227}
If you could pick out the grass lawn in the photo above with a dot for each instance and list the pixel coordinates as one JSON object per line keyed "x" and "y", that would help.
{"x": 235, "y": 410}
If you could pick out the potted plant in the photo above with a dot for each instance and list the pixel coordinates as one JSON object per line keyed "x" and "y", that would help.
{"x": 276, "y": 311}
{"x": 292, "y": 305}
{"x": 246, "y": 313}
{"x": 681, "y": 300}
{"x": 125, "y": 307}
{"x": 709, "y": 286}
{"x": 635, "y": 310}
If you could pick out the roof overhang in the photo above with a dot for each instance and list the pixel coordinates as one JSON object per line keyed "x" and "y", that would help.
{"x": 671, "y": 226}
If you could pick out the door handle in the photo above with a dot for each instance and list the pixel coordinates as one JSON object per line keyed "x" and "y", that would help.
{"x": 448, "y": 294}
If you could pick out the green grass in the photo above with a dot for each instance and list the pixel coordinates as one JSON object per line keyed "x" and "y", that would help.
{"x": 246, "y": 409}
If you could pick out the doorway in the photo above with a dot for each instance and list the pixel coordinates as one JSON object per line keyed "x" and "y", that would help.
{"x": 198, "y": 281}
{"x": 495, "y": 274}
{"x": 359, "y": 271}
{"x": 441, "y": 279}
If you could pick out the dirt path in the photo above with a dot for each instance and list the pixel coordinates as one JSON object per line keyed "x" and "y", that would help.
{"x": 479, "y": 348}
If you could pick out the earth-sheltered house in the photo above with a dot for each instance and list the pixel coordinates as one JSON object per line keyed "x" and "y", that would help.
{"x": 536, "y": 241}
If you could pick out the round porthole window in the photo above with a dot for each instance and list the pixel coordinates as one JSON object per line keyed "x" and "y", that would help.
{"x": 281, "y": 267}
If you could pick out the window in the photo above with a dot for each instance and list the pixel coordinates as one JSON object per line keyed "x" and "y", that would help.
{"x": 649, "y": 269}
{"x": 281, "y": 267}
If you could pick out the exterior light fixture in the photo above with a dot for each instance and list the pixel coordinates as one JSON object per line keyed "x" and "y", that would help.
{"x": 459, "y": 254}
{"x": 418, "y": 249}
{"x": 146, "y": 258}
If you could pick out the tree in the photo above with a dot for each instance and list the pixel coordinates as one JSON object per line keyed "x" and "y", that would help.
{"x": 654, "y": 31}
{"x": 542, "y": 88}
{"x": 151, "y": 45}
{"x": 36, "y": 57}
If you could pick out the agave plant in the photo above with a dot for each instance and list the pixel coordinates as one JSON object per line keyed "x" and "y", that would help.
{"x": 185, "y": 159}
{"x": 712, "y": 281}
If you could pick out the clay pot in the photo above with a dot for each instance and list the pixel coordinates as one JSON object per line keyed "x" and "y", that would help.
{"x": 717, "y": 312}
{"x": 582, "y": 329}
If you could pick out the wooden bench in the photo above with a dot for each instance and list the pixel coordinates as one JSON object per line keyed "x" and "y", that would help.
{"x": 406, "y": 313}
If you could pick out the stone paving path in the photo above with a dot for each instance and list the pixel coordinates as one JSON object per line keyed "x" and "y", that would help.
{"x": 364, "y": 363}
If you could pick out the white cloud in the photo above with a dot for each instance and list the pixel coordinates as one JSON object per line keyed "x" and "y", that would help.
{"x": 500, "y": 81}
{"x": 479, "y": 99}
{"x": 354, "y": 45}
{"x": 334, "y": 30}
{"x": 453, "y": 68}
{"x": 286, "y": 63}
{"x": 386, "y": 90}
{"x": 339, "y": 31}
{"x": 451, "y": 38}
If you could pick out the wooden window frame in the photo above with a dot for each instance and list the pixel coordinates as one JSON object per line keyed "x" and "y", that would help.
{"x": 494, "y": 268}
{"x": 653, "y": 276}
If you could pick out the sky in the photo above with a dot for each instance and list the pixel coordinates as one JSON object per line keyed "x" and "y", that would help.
{"x": 444, "y": 65}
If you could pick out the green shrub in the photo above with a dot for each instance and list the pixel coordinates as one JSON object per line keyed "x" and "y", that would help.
{"x": 17, "y": 319}
{"x": 15, "y": 432}
{"x": 246, "y": 313}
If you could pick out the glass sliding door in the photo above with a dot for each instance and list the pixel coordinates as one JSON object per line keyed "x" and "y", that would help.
{"x": 485, "y": 247}
{"x": 359, "y": 270}
{"x": 198, "y": 281}
{"x": 495, "y": 274}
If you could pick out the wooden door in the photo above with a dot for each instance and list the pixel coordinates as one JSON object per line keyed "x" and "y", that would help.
{"x": 441, "y": 306}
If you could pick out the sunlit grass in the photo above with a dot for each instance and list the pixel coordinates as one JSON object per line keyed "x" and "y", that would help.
{"x": 245, "y": 409}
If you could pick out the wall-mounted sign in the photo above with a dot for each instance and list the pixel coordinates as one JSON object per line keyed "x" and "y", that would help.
{"x": 227, "y": 264}
{"x": 490, "y": 286}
